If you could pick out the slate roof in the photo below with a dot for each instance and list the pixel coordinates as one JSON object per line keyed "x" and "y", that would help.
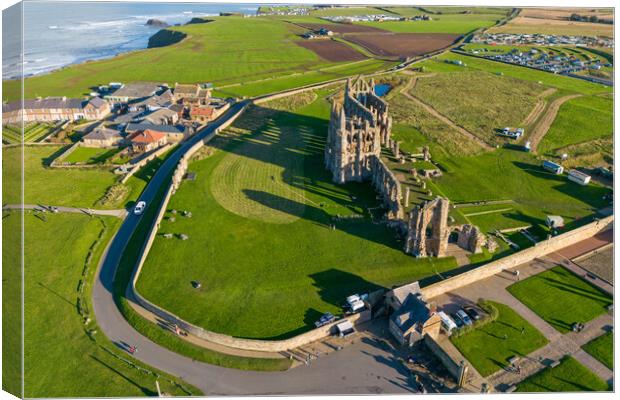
{"x": 47, "y": 103}
{"x": 103, "y": 134}
{"x": 136, "y": 90}
{"x": 157, "y": 128}
{"x": 97, "y": 102}
{"x": 413, "y": 310}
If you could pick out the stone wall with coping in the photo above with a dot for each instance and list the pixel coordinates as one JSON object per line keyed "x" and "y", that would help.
{"x": 542, "y": 248}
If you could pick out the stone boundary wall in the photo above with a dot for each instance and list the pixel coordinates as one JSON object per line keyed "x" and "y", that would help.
{"x": 521, "y": 257}
{"x": 64, "y": 155}
{"x": 218, "y": 338}
{"x": 446, "y": 359}
{"x": 286, "y": 93}
{"x": 144, "y": 161}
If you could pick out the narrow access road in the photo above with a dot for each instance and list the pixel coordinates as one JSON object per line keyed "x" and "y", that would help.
{"x": 121, "y": 213}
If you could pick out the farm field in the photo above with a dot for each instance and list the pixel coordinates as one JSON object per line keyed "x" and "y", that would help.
{"x": 523, "y": 24}
{"x": 579, "y": 120}
{"x": 267, "y": 189}
{"x": 53, "y": 328}
{"x": 602, "y": 348}
{"x": 487, "y": 350}
{"x": 33, "y": 132}
{"x": 569, "y": 376}
{"x": 480, "y": 102}
{"x": 59, "y": 187}
{"x": 332, "y": 50}
{"x": 90, "y": 155}
{"x": 228, "y": 50}
{"x": 403, "y": 44}
{"x": 561, "y": 298}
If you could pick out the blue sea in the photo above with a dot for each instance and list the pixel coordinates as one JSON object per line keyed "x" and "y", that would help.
{"x": 57, "y": 34}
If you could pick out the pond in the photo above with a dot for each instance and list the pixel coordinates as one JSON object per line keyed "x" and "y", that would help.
{"x": 382, "y": 89}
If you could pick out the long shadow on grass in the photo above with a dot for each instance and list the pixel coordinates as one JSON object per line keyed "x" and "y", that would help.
{"x": 267, "y": 144}
{"x": 360, "y": 227}
{"x": 147, "y": 392}
{"x": 335, "y": 285}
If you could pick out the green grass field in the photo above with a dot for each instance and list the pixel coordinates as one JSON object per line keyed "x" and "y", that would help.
{"x": 437, "y": 64}
{"x": 164, "y": 337}
{"x": 478, "y": 101}
{"x": 488, "y": 351}
{"x": 561, "y": 298}
{"x": 448, "y": 23}
{"x": 579, "y": 120}
{"x": 60, "y": 359}
{"x": 262, "y": 208}
{"x": 90, "y": 155}
{"x": 61, "y": 187}
{"x": 602, "y": 348}
{"x": 227, "y": 51}
{"x": 569, "y": 376}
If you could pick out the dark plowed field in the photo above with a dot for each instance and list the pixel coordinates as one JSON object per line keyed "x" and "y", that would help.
{"x": 344, "y": 28}
{"x": 404, "y": 44}
{"x": 331, "y": 50}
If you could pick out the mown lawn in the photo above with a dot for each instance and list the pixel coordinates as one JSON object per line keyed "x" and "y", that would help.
{"x": 164, "y": 337}
{"x": 569, "y": 376}
{"x": 579, "y": 120}
{"x": 602, "y": 348}
{"x": 225, "y": 51}
{"x": 90, "y": 155}
{"x": 60, "y": 359}
{"x": 260, "y": 241}
{"x": 505, "y": 174}
{"x": 489, "y": 347}
{"x": 59, "y": 187}
{"x": 561, "y": 298}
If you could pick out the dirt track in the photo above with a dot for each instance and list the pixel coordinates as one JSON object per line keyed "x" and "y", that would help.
{"x": 331, "y": 50}
{"x": 540, "y": 130}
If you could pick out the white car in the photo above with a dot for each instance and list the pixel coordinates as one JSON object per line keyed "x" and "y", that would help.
{"x": 139, "y": 208}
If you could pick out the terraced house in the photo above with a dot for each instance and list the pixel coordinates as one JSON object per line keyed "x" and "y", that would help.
{"x": 54, "y": 109}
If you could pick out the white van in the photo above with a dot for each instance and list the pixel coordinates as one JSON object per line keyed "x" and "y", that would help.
{"x": 446, "y": 322}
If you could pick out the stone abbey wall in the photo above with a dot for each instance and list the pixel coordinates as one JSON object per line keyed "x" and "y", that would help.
{"x": 357, "y": 128}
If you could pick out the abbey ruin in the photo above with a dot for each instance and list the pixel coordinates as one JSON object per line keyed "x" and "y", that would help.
{"x": 358, "y": 128}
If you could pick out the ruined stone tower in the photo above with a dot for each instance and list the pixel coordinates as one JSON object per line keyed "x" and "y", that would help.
{"x": 427, "y": 230}
{"x": 357, "y": 128}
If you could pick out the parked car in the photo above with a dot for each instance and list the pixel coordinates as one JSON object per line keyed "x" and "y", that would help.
{"x": 325, "y": 319}
{"x": 456, "y": 320}
{"x": 473, "y": 313}
{"x": 464, "y": 317}
{"x": 139, "y": 208}
{"x": 446, "y": 322}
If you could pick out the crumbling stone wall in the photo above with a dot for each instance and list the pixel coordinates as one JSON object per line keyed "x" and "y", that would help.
{"x": 471, "y": 238}
{"x": 431, "y": 216}
{"x": 389, "y": 188}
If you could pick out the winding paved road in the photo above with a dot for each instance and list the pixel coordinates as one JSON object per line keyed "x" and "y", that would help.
{"x": 364, "y": 367}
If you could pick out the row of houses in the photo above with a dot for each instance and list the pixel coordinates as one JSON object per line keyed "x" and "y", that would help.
{"x": 140, "y": 137}
{"x": 54, "y": 109}
{"x": 138, "y": 97}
